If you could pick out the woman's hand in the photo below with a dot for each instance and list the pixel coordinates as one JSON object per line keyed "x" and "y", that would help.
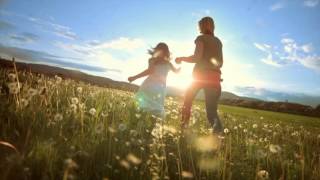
{"x": 132, "y": 78}
{"x": 179, "y": 60}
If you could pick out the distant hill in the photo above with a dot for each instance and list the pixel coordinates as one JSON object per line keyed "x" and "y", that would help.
{"x": 172, "y": 91}
{"x": 227, "y": 98}
{"x": 69, "y": 74}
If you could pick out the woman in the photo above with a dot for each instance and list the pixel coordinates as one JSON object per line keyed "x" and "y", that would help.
{"x": 206, "y": 73}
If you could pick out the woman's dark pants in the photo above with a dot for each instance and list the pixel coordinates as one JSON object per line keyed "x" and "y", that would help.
{"x": 212, "y": 95}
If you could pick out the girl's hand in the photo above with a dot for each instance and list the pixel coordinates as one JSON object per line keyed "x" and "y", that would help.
{"x": 130, "y": 79}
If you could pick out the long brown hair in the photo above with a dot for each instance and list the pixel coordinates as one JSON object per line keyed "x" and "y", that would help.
{"x": 161, "y": 48}
{"x": 206, "y": 25}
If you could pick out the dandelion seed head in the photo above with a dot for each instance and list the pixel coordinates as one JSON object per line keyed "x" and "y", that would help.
{"x": 138, "y": 115}
{"x": 13, "y": 88}
{"x": 111, "y": 130}
{"x": 125, "y": 164}
{"x": 79, "y": 90}
{"x": 274, "y": 148}
{"x": 226, "y": 131}
{"x": 73, "y": 108}
{"x": 263, "y": 175}
{"x": 12, "y": 77}
{"x": 32, "y": 92}
{"x": 58, "y": 117}
{"x": 58, "y": 79}
{"x": 254, "y": 126}
{"x": 74, "y": 100}
{"x": 92, "y": 111}
{"x": 24, "y": 102}
{"x": 122, "y": 127}
{"x": 133, "y": 159}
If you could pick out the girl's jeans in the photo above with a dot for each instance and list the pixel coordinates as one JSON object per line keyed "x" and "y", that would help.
{"x": 212, "y": 95}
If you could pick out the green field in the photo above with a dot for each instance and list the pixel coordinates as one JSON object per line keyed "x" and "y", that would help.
{"x": 62, "y": 129}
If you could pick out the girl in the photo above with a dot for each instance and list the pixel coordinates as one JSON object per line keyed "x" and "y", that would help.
{"x": 206, "y": 73}
{"x": 152, "y": 91}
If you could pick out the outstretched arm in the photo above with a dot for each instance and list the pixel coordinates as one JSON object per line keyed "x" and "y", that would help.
{"x": 174, "y": 69}
{"x": 140, "y": 75}
{"x": 198, "y": 52}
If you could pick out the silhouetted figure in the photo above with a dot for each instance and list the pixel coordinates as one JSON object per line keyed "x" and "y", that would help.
{"x": 208, "y": 60}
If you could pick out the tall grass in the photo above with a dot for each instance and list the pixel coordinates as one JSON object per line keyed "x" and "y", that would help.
{"x": 52, "y": 128}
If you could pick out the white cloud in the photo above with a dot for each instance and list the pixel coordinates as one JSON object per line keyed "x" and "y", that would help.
{"x": 307, "y": 48}
{"x": 311, "y": 3}
{"x": 270, "y": 61}
{"x": 292, "y": 52}
{"x": 277, "y": 6}
{"x": 122, "y": 43}
{"x": 24, "y": 37}
{"x": 312, "y": 62}
{"x": 262, "y": 47}
{"x": 57, "y": 29}
{"x": 46, "y": 25}
{"x": 287, "y": 40}
{"x": 94, "y": 47}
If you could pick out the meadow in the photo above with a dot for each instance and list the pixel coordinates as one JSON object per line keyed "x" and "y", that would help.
{"x": 51, "y": 128}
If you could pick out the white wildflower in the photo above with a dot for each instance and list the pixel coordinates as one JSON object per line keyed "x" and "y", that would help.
{"x": 58, "y": 117}
{"x": 58, "y": 79}
{"x": 226, "y": 131}
{"x": 74, "y": 100}
{"x": 254, "y": 126}
{"x": 122, "y": 127}
{"x": 138, "y": 115}
{"x": 79, "y": 90}
{"x": 24, "y": 102}
{"x": 13, "y": 88}
{"x": 73, "y": 108}
{"x": 263, "y": 174}
{"x": 12, "y": 77}
{"x": 32, "y": 92}
{"x": 133, "y": 159}
{"x": 274, "y": 148}
{"x": 125, "y": 164}
{"x": 92, "y": 111}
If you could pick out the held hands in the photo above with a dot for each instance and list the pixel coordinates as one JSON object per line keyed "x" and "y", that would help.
{"x": 179, "y": 60}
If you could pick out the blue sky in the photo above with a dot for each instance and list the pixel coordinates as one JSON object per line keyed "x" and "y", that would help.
{"x": 269, "y": 46}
